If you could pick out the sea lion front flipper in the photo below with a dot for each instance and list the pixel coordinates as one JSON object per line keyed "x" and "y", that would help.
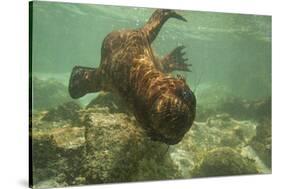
{"x": 83, "y": 80}
{"x": 175, "y": 61}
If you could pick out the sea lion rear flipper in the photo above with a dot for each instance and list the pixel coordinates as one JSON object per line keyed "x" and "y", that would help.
{"x": 156, "y": 21}
{"x": 83, "y": 80}
{"x": 175, "y": 61}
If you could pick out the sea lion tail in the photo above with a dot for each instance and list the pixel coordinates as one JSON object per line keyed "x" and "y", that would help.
{"x": 83, "y": 80}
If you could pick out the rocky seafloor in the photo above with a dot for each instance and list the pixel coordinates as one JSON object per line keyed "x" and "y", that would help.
{"x": 103, "y": 143}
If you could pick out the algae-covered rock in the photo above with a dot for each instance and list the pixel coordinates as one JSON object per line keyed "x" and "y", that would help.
{"x": 223, "y": 162}
{"x": 218, "y": 99}
{"x": 236, "y": 107}
{"x": 56, "y": 153}
{"x": 262, "y": 144}
{"x": 103, "y": 143}
{"x": 56, "y": 156}
{"x": 48, "y": 93}
{"x": 218, "y": 132}
{"x": 209, "y": 98}
{"x": 68, "y": 111}
{"x": 243, "y": 109}
{"x": 105, "y": 148}
{"x": 119, "y": 151}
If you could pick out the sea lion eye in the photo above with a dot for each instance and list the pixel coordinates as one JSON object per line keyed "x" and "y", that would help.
{"x": 187, "y": 95}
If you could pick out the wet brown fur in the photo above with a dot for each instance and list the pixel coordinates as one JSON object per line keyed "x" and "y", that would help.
{"x": 130, "y": 69}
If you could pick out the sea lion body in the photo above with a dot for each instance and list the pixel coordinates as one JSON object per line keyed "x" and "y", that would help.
{"x": 162, "y": 104}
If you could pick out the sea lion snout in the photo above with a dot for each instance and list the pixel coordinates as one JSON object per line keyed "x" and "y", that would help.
{"x": 82, "y": 81}
{"x": 173, "y": 116}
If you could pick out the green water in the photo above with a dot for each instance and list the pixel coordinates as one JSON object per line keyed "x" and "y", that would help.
{"x": 232, "y": 50}
{"x": 230, "y": 56}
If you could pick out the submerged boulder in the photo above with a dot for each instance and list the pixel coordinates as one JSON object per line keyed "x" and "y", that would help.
{"x": 218, "y": 134}
{"x": 224, "y": 162}
{"x": 103, "y": 143}
{"x": 218, "y": 99}
{"x": 262, "y": 142}
{"x": 68, "y": 111}
{"x": 126, "y": 153}
{"x": 243, "y": 109}
{"x": 48, "y": 94}
{"x": 238, "y": 108}
{"x": 56, "y": 156}
{"x": 105, "y": 148}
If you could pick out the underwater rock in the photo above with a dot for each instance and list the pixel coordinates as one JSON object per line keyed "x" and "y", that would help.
{"x": 263, "y": 109}
{"x": 218, "y": 99}
{"x": 114, "y": 102}
{"x": 68, "y": 111}
{"x": 110, "y": 147}
{"x": 223, "y": 130}
{"x": 48, "y": 93}
{"x": 209, "y": 98}
{"x": 119, "y": 151}
{"x": 50, "y": 183}
{"x": 237, "y": 108}
{"x": 45, "y": 151}
{"x": 105, "y": 148}
{"x": 220, "y": 131}
{"x": 223, "y": 162}
{"x": 246, "y": 109}
{"x": 262, "y": 144}
{"x": 56, "y": 156}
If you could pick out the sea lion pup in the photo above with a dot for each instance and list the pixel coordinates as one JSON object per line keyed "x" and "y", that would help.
{"x": 163, "y": 105}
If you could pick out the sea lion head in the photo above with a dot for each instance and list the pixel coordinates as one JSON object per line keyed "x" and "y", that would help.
{"x": 173, "y": 113}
